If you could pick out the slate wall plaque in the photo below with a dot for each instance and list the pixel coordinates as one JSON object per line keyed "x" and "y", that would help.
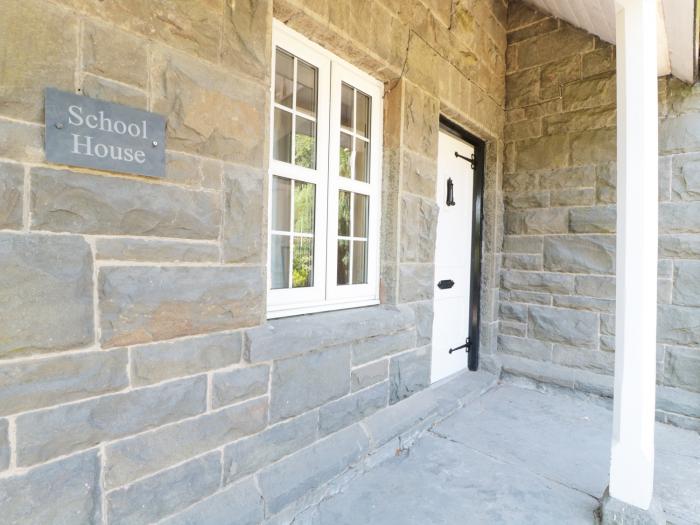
{"x": 91, "y": 133}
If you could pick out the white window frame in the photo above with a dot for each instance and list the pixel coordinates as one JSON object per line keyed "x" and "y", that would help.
{"x": 325, "y": 294}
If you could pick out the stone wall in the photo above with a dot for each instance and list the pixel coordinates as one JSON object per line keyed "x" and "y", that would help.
{"x": 558, "y": 263}
{"x": 138, "y": 375}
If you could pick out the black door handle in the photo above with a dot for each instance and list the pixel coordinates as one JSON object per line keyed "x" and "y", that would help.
{"x": 446, "y": 283}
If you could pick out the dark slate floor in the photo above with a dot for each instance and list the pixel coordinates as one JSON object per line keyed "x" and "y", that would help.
{"x": 513, "y": 456}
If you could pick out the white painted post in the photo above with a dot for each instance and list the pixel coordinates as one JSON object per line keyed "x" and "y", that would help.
{"x": 632, "y": 463}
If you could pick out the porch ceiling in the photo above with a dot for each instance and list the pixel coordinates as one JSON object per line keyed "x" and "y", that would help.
{"x": 677, "y": 35}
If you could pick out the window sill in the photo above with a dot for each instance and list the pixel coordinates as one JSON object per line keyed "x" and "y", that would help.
{"x": 289, "y": 311}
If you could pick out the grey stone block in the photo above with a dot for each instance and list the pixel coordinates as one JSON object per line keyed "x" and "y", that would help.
{"x": 537, "y": 281}
{"x": 519, "y": 181}
{"x": 678, "y": 325}
{"x": 679, "y": 246}
{"x": 560, "y": 325}
{"x": 531, "y": 244}
{"x": 597, "y": 361}
{"x": 511, "y": 328}
{"x": 382, "y": 345}
{"x": 289, "y": 479}
{"x": 686, "y": 284}
{"x": 140, "y": 250}
{"x": 528, "y": 348}
{"x": 66, "y": 201}
{"x": 542, "y": 152}
{"x": 368, "y": 375}
{"x": 165, "y": 493}
{"x": 527, "y": 199}
{"x": 593, "y": 146}
{"x": 419, "y": 174}
{"x": 46, "y": 293}
{"x": 241, "y": 504}
{"x": 580, "y": 254}
{"x": 607, "y": 343}
{"x": 665, "y": 178}
{"x": 596, "y": 219}
{"x": 409, "y": 373}
{"x": 540, "y": 371}
{"x": 296, "y": 335}
{"x": 590, "y": 304}
{"x": 350, "y": 409}
{"x": 193, "y": 171}
{"x": 124, "y": 60}
{"x": 160, "y": 361}
{"x": 682, "y": 368}
{"x": 22, "y": 142}
{"x": 304, "y": 382}
{"x": 606, "y": 183}
{"x": 182, "y": 86}
{"x": 103, "y": 89}
{"x": 537, "y": 221}
{"x": 686, "y": 178}
{"x": 64, "y": 492}
{"x": 250, "y": 454}
{"x": 418, "y": 229}
{"x": 424, "y": 321}
{"x": 527, "y": 297}
{"x": 678, "y": 400}
{"x": 416, "y": 282}
{"x": 576, "y": 177}
{"x": 49, "y": 433}
{"x": 598, "y": 286}
{"x": 401, "y": 418}
{"x": 141, "y": 455}
{"x": 665, "y": 269}
{"x": 522, "y": 261}
{"x": 237, "y": 385}
{"x": 38, "y": 383}
{"x": 243, "y": 240}
{"x": 512, "y": 312}
{"x": 573, "y": 197}
{"x": 679, "y": 217}
{"x": 679, "y": 134}
{"x": 4, "y": 444}
{"x": 11, "y": 192}
{"x": 607, "y": 324}
{"x": 144, "y": 304}
{"x": 664, "y": 291}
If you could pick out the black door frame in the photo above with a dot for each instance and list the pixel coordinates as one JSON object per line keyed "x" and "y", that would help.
{"x": 477, "y": 232}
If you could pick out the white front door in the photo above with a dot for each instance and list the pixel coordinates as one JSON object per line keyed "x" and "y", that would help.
{"x": 452, "y": 256}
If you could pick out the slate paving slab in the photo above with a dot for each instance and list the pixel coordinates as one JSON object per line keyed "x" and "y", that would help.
{"x": 512, "y": 456}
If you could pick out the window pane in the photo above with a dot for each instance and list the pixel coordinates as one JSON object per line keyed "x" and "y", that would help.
{"x": 303, "y": 270}
{"x": 361, "y": 160}
{"x": 344, "y": 213}
{"x": 363, "y": 115}
{"x": 343, "y": 262}
{"x": 346, "y": 107}
{"x": 345, "y": 155}
{"x": 282, "y": 145}
{"x": 306, "y": 88}
{"x": 305, "y": 153}
{"x": 284, "y": 78}
{"x": 279, "y": 256}
{"x": 359, "y": 262}
{"x": 281, "y": 207}
{"x": 304, "y": 207}
{"x": 360, "y": 215}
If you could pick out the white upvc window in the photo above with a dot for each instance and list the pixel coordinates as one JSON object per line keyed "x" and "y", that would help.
{"x": 325, "y": 180}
